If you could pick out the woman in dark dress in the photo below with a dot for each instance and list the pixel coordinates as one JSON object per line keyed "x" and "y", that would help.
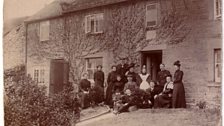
{"x": 112, "y": 77}
{"x": 164, "y": 99}
{"x": 84, "y": 90}
{"x": 178, "y": 100}
{"x": 99, "y": 84}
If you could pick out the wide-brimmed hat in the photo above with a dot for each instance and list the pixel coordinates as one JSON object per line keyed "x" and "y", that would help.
{"x": 177, "y": 63}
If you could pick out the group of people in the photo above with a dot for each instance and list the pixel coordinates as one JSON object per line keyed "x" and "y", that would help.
{"x": 127, "y": 90}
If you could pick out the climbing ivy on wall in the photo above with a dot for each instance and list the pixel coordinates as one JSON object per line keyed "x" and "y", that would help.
{"x": 124, "y": 32}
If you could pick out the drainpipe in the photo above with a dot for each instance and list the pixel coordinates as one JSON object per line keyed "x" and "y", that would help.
{"x": 26, "y": 25}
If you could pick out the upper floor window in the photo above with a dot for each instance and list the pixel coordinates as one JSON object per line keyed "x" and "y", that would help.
{"x": 218, "y": 65}
{"x": 218, "y": 8}
{"x": 91, "y": 64}
{"x": 94, "y": 23}
{"x": 39, "y": 76}
{"x": 151, "y": 15}
{"x": 44, "y": 30}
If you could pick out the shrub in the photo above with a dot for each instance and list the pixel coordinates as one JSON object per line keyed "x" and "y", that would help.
{"x": 26, "y": 103}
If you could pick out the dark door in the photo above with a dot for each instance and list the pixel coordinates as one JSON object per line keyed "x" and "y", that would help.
{"x": 152, "y": 60}
{"x": 59, "y": 72}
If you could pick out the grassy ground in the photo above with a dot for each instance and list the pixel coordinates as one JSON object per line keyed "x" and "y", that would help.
{"x": 158, "y": 117}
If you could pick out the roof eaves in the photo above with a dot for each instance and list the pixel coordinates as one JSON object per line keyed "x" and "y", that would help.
{"x": 82, "y": 7}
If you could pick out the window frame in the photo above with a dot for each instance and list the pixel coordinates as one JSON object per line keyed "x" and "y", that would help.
{"x": 94, "y": 68}
{"x": 43, "y": 26}
{"x": 217, "y": 15}
{"x": 217, "y": 79}
{"x": 156, "y": 21}
{"x": 39, "y": 75}
{"x": 98, "y": 20}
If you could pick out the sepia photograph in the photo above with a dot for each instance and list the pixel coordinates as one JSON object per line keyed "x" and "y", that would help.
{"x": 112, "y": 62}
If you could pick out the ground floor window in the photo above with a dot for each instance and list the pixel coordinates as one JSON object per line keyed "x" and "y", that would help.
{"x": 218, "y": 65}
{"x": 39, "y": 74}
{"x": 91, "y": 64}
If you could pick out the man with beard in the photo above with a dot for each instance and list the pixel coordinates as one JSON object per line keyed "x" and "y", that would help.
{"x": 122, "y": 69}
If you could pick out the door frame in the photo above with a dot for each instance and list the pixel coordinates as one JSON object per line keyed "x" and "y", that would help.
{"x": 149, "y": 58}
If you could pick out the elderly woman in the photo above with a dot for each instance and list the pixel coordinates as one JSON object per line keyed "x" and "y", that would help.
{"x": 178, "y": 100}
{"x": 164, "y": 99}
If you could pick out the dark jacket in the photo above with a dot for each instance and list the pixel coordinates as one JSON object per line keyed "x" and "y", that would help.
{"x": 85, "y": 85}
{"x": 112, "y": 77}
{"x": 121, "y": 70}
{"x": 99, "y": 78}
{"x": 161, "y": 78}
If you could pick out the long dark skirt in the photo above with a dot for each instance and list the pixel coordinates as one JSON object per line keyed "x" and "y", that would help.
{"x": 97, "y": 94}
{"x": 109, "y": 93}
{"x": 178, "y": 100}
{"x": 163, "y": 101}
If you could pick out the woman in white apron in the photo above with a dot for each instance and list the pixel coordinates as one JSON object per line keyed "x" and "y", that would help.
{"x": 145, "y": 79}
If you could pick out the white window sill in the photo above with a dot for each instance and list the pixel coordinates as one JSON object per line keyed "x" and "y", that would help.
{"x": 214, "y": 84}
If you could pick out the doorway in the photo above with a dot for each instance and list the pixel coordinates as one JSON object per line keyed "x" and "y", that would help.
{"x": 152, "y": 60}
{"x": 59, "y": 73}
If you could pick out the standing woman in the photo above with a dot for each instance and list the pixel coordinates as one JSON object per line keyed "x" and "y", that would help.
{"x": 178, "y": 100}
{"x": 111, "y": 79}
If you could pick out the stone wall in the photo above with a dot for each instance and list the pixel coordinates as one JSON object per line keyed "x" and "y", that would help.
{"x": 196, "y": 53}
{"x": 14, "y": 47}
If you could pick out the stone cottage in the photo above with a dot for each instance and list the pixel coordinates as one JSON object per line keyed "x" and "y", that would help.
{"x": 69, "y": 37}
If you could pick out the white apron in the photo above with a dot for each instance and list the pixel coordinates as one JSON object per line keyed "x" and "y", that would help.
{"x": 144, "y": 85}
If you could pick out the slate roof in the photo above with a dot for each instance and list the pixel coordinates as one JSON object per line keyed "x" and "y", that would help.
{"x": 75, "y": 5}
{"x": 58, "y": 7}
{"x": 49, "y": 11}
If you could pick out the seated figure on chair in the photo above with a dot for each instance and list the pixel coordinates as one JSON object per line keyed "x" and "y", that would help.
{"x": 164, "y": 99}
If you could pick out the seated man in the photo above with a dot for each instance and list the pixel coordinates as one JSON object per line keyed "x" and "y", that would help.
{"x": 163, "y": 100}
{"x": 128, "y": 102}
{"x": 151, "y": 92}
{"x": 84, "y": 91}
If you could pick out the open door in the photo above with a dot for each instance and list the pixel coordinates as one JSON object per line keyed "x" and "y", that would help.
{"x": 59, "y": 75}
{"x": 152, "y": 60}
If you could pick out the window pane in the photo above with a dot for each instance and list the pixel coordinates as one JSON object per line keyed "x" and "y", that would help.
{"x": 218, "y": 65}
{"x": 151, "y": 15}
{"x": 92, "y": 25}
{"x": 44, "y": 30}
{"x": 218, "y": 55}
{"x": 219, "y": 72}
